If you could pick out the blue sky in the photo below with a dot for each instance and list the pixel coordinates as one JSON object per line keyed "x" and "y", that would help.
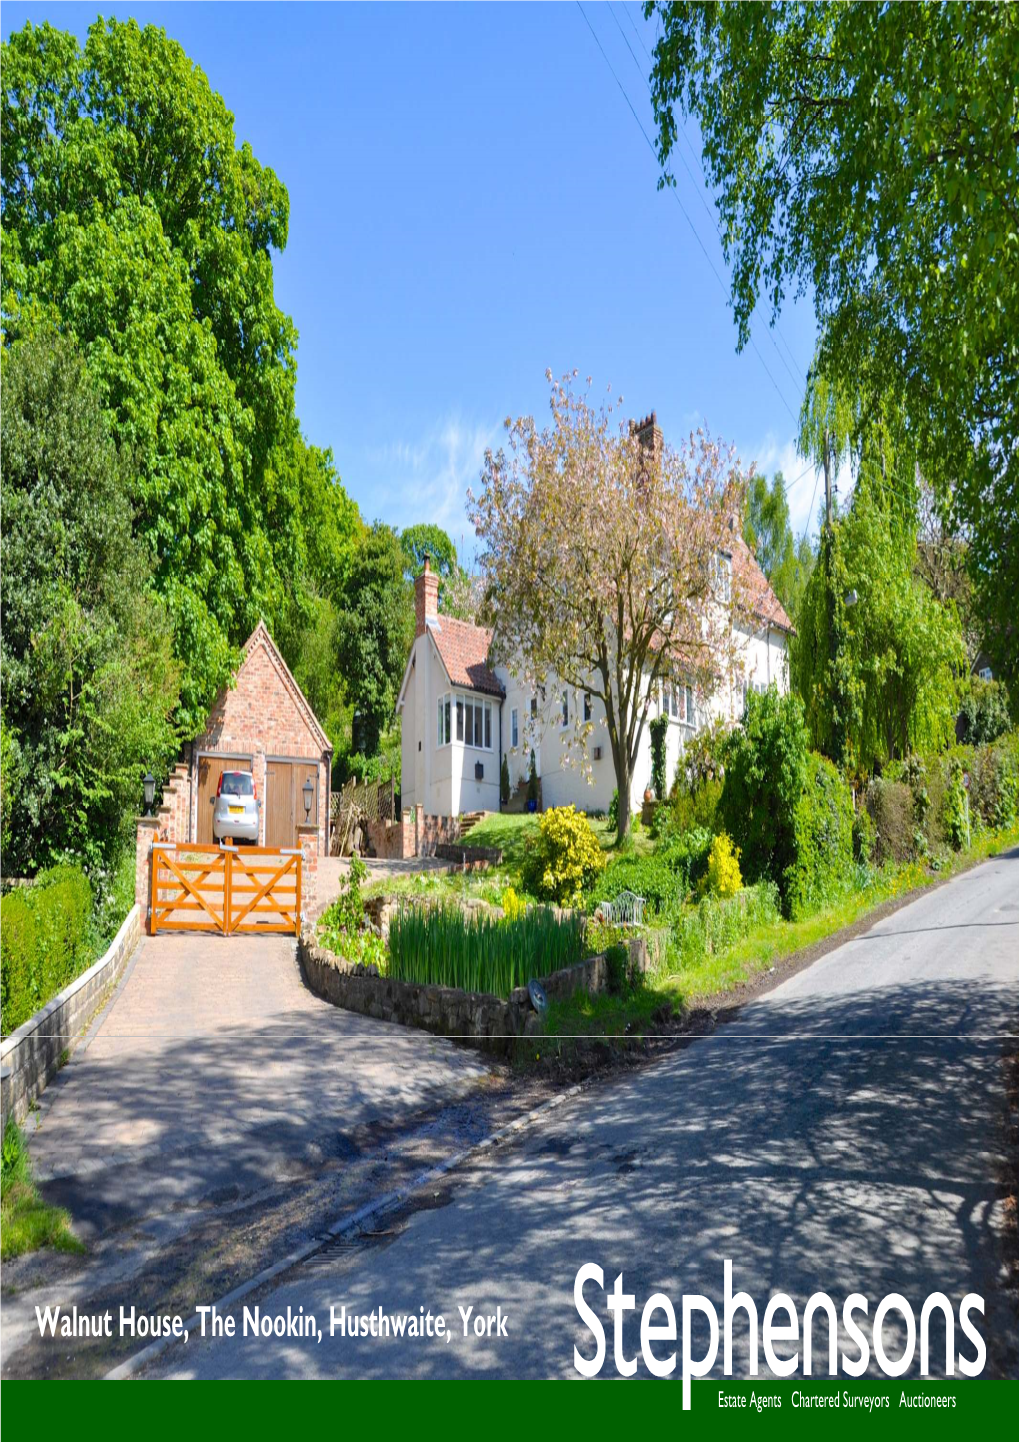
{"x": 471, "y": 202}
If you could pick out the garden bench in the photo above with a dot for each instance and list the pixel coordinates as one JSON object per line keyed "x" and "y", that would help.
{"x": 627, "y": 909}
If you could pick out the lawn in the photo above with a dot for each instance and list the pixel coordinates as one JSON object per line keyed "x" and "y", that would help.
{"x": 510, "y": 834}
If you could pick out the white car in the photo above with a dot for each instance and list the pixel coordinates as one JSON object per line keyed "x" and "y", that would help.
{"x": 236, "y": 808}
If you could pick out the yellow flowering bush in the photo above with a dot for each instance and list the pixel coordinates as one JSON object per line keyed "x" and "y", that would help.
{"x": 723, "y": 877}
{"x": 514, "y": 906}
{"x": 564, "y": 859}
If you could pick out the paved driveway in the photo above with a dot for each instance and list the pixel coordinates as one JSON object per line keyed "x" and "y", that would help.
{"x": 216, "y": 1072}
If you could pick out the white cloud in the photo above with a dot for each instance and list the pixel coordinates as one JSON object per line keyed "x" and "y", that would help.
{"x": 427, "y": 479}
{"x": 805, "y": 482}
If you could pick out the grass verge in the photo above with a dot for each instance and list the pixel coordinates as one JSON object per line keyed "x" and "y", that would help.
{"x": 666, "y": 995}
{"x": 26, "y": 1221}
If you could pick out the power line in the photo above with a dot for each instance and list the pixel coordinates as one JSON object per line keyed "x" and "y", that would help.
{"x": 687, "y": 141}
{"x": 807, "y": 523}
{"x": 708, "y": 209}
{"x": 680, "y": 203}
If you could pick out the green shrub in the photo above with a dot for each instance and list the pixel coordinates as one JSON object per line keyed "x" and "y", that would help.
{"x": 504, "y": 781}
{"x": 863, "y": 835}
{"x": 765, "y": 759}
{"x": 823, "y": 837}
{"x": 993, "y": 783}
{"x": 658, "y": 729}
{"x": 618, "y": 969}
{"x": 613, "y": 814}
{"x": 532, "y": 779}
{"x": 346, "y": 915}
{"x": 984, "y": 713}
{"x": 954, "y": 809}
{"x": 723, "y": 875}
{"x": 440, "y": 946}
{"x": 562, "y": 862}
{"x": 46, "y": 940}
{"x": 703, "y": 758}
{"x": 891, "y": 807}
{"x": 647, "y": 876}
{"x": 717, "y": 923}
{"x": 342, "y": 928}
{"x": 600, "y": 935}
{"x": 690, "y": 811}
{"x": 686, "y": 854}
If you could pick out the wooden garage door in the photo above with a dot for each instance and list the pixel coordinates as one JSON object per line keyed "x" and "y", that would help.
{"x": 285, "y": 803}
{"x": 210, "y": 769}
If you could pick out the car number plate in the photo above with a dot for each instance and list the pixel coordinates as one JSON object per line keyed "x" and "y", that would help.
{"x": 236, "y": 810}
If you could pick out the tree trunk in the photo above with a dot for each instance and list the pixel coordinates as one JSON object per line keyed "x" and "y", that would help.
{"x": 621, "y": 764}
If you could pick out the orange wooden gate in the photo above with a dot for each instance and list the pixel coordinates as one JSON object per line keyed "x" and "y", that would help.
{"x": 224, "y": 889}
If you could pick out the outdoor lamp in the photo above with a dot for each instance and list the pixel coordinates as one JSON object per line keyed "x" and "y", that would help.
{"x": 850, "y": 599}
{"x": 149, "y": 787}
{"x": 307, "y": 789}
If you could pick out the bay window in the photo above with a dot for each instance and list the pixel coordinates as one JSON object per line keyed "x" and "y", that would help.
{"x": 471, "y": 722}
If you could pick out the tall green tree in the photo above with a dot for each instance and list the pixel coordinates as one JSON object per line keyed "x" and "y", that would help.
{"x": 133, "y": 219}
{"x": 870, "y": 152}
{"x": 428, "y": 539}
{"x": 88, "y": 684}
{"x": 374, "y": 631}
{"x": 786, "y": 562}
{"x": 877, "y": 659}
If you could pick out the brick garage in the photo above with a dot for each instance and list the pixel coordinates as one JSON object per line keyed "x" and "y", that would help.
{"x": 263, "y": 724}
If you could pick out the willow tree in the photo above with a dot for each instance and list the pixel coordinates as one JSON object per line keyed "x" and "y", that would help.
{"x": 606, "y": 564}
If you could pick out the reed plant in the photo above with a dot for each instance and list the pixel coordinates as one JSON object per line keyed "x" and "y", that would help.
{"x": 440, "y": 946}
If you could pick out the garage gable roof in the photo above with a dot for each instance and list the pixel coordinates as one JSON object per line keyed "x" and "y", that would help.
{"x": 261, "y": 637}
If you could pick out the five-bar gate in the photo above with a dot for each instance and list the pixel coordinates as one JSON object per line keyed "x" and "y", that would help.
{"x": 226, "y": 889}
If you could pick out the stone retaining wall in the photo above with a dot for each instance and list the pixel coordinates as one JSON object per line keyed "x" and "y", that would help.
{"x": 31, "y": 1056}
{"x": 468, "y": 858}
{"x": 476, "y": 1018}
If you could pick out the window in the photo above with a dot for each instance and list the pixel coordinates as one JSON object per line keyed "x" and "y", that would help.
{"x": 472, "y": 722}
{"x": 513, "y": 727}
{"x": 985, "y": 673}
{"x": 689, "y": 709}
{"x": 587, "y": 705}
{"x": 564, "y": 709}
{"x": 534, "y": 707}
{"x": 443, "y": 722}
{"x": 672, "y": 703}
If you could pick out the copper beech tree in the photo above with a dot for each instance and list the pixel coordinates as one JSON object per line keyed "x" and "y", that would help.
{"x": 605, "y": 564}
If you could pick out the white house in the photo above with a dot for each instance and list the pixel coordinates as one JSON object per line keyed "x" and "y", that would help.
{"x": 461, "y": 714}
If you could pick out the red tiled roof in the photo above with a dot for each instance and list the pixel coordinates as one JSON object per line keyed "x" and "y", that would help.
{"x": 762, "y": 599}
{"x": 464, "y": 650}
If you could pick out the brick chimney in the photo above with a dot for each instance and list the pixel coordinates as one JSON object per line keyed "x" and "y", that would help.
{"x": 648, "y": 433}
{"x": 426, "y": 598}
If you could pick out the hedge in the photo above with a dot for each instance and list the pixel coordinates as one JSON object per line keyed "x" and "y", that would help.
{"x": 823, "y": 840}
{"x": 45, "y": 941}
{"x": 891, "y": 807}
{"x": 914, "y": 805}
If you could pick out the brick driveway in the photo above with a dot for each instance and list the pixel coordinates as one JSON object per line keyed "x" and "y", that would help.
{"x": 216, "y": 1072}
